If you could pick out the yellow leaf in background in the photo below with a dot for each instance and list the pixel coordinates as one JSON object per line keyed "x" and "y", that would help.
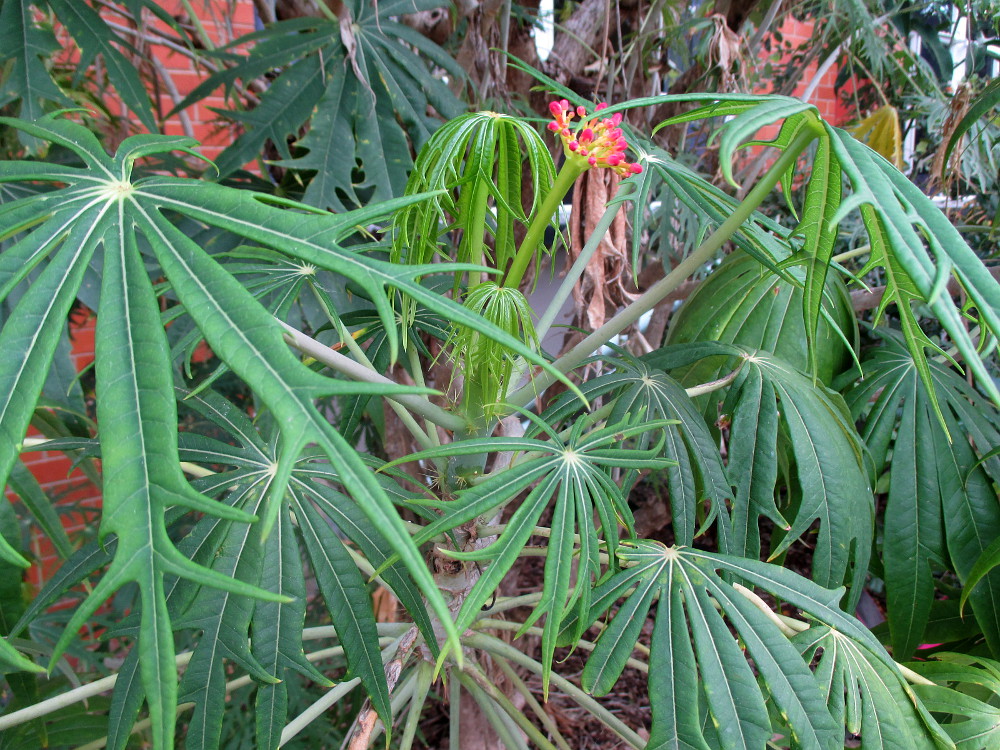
{"x": 881, "y": 131}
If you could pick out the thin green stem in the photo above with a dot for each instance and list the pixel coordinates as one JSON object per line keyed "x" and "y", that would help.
{"x": 524, "y": 724}
{"x": 536, "y": 631}
{"x": 359, "y": 355}
{"x": 571, "y": 169}
{"x": 580, "y": 264}
{"x": 498, "y": 647}
{"x": 416, "y": 370}
{"x": 356, "y": 371}
{"x": 199, "y": 27}
{"x": 704, "y": 253}
{"x": 847, "y": 255}
{"x": 533, "y": 704}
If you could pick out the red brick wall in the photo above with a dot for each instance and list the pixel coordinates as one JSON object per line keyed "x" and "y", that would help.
{"x": 222, "y": 28}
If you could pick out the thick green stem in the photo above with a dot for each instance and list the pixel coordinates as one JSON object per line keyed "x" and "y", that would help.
{"x": 571, "y": 169}
{"x": 704, "y": 253}
{"x": 579, "y": 265}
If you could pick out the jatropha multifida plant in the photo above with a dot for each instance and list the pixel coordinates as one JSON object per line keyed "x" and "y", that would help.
{"x": 759, "y": 413}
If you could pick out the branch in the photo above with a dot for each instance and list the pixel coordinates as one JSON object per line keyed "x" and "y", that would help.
{"x": 347, "y": 366}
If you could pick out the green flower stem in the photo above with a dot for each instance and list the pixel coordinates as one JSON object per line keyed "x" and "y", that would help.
{"x": 356, "y": 371}
{"x": 704, "y": 253}
{"x": 475, "y": 232}
{"x": 580, "y": 264}
{"x": 571, "y": 169}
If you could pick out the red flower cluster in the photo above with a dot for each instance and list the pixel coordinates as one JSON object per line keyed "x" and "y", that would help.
{"x": 597, "y": 141}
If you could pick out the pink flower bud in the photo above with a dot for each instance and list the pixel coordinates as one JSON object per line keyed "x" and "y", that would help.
{"x": 573, "y": 145}
{"x": 599, "y": 107}
{"x": 592, "y": 161}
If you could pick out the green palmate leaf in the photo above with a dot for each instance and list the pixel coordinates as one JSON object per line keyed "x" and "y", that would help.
{"x": 909, "y": 236}
{"x": 696, "y": 665}
{"x": 941, "y": 505}
{"x": 973, "y": 719}
{"x": 744, "y": 304}
{"x": 867, "y": 696}
{"x": 363, "y": 86}
{"x": 829, "y": 477}
{"x": 277, "y": 640}
{"x": 696, "y": 472}
{"x": 353, "y": 523}
{"x": 142, "y": 472}
{"x": 916, "y": 242}
{"x": 101, "y": 208}
{"x": 572, "y": 473}
{"x": 223, "y": 619}
{"x": 286, "y": 106}
{"x": 27, "y": 45}
{"x": 277, "y": 627}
